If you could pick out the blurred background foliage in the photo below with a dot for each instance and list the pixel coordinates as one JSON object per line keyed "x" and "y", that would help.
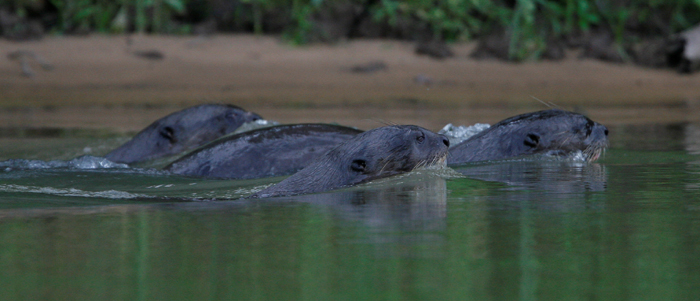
{"x": 527, "y": 28}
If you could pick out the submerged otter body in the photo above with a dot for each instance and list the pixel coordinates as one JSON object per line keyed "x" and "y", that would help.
{"x": 181, "y": 131}
{"x": 374, "y": 154}
{"x": 552, "y": 132}
{"x": 274, "y": 151}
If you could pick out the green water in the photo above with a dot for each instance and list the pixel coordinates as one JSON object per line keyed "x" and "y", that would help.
{"x": 624, "y": 228}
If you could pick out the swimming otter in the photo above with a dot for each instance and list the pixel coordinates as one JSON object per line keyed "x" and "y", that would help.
{"x": 552, "y": 132}
{"x": 374, "y": 154}
{"x": 274, "y": 151}
{"x": 181, "y": 131}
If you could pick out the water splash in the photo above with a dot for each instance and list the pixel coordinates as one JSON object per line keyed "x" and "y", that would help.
{"x": 81, "y": 163}
{"x": 576, "y": 156}
{"x": 457, "y": 134}
{"x": 254, "y": 125}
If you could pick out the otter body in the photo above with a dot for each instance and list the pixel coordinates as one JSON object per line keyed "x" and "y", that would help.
{"x": 374, "y": 154}
{"x": 181, "y": 131}
{"x": 552, "y": 132}
{"x": 274, "y": 151}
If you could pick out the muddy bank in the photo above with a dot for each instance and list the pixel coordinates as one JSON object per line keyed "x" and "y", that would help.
{"x": 99, "y": 80}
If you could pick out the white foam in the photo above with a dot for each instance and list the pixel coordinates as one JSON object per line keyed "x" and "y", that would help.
{"x": 82, "y": 162}
{"x": 254, "y": 125}
{"x": 457, "y": 134}
{"x": 576, "y": 156}
{"x": 108, "y": 194}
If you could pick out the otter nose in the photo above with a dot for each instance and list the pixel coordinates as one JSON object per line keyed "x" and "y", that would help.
{"x": 599, "y": 132}
{"x": 252, "y": 116}
{"x": 446, "y": 141}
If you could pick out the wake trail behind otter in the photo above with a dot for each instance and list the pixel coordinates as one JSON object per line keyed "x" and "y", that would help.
{"x": 108, "y": 194}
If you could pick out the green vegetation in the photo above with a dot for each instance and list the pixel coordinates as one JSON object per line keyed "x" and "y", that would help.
{"x": 106, "y": 16}
{"x": 529, "y": 25}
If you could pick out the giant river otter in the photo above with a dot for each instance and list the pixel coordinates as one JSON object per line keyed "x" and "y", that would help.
{"x": 378, "y": 153}
{"x": 181, "y": 131}
{"x": 552, "y": 132}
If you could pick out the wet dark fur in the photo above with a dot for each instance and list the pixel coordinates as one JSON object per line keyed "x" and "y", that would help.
{"x": 553, "y": 132}
{"x": 374, "y": 154}
{"x": 181, "y": 131}
{"x": 274, "y": 151}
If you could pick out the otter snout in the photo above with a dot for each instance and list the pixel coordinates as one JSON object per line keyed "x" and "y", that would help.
{"x": 599, "y": 135}
{"x": 250, "y": 116}
{"x": 445, "y": 140}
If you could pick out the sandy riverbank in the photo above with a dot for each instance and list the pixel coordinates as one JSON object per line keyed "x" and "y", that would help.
{"x": 98, "y": 81}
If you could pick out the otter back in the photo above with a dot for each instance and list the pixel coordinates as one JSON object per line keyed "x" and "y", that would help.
{"x": 274, "y": 151}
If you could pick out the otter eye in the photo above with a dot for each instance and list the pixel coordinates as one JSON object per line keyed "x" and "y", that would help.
{"x": 532, "y": 140}
{"x": 358, "y": 165}
{"x": 420, "y": 138}
{"x": 168, "y": 133}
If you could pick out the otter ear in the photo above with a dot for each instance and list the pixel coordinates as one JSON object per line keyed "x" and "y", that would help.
{"x": 532, "y": 140}
{"x": 358, "y": 165}
{"x": 168, "y": 133}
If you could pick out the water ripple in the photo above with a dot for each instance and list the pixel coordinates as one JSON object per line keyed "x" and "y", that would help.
{"x": 109, "y": 194}
{"x": 82, "y": 162}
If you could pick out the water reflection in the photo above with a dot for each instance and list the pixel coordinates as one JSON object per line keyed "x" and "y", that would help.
{"x": 650, "y": 137}
{"x": 412, "y": 202}
{"x": 545, "y": 184}
{"x": 320, "y": 246}
{"x": 556, "y": 176}
{"x": 625, "y": 228}
{"x": 692, "y": 138}
{"x": 491, "y": 235}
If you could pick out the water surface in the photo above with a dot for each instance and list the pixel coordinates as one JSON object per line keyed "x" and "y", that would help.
{"x": 625, "y": 227}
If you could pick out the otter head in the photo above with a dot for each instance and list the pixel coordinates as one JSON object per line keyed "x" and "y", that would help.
{"x": 552, "y": 132}
{"x": 181, "y": 131}
{"x": 392, "y": 150}
{"x": 374, "y": 154}
{"x": 558, "y": 133}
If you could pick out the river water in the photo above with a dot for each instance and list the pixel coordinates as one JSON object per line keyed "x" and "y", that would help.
{"x": 625, "y": 227}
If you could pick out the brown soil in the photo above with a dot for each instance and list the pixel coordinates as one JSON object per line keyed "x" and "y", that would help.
{"x": 97, "y": 81}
